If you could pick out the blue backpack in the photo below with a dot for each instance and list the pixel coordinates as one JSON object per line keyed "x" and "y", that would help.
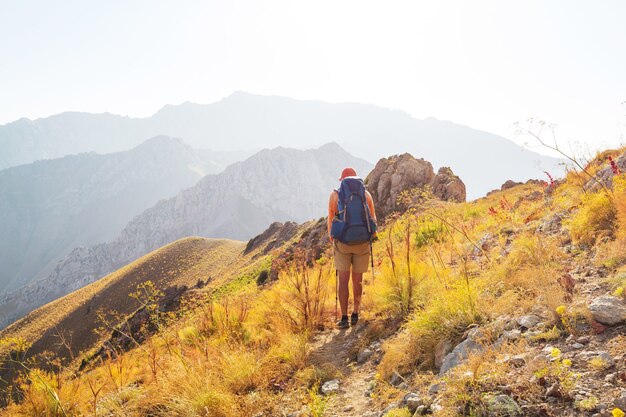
{"x": 353, "y": 223}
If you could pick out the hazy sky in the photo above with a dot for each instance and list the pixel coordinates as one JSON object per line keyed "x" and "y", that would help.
{"x": 485, "y": 64}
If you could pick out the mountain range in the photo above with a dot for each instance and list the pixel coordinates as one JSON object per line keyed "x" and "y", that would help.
{"x": 279, "y": 184}
{"x": 49, "y": 207}
{"x": 245, "y": 121}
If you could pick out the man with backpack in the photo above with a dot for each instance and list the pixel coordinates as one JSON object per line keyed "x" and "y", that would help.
{"x": 351, "y": 228}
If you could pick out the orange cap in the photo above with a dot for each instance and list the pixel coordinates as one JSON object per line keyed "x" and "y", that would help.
{"x": 347, "y": 172}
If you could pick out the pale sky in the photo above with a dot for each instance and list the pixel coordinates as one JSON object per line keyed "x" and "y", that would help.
{"x": 485, "y": 64}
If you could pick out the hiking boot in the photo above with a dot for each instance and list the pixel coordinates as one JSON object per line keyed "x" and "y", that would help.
{"x": 354, "y": 318}
{"x": 343, "y": 323}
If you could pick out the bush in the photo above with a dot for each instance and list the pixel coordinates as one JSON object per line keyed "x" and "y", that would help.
{"x": 398, "y": 412}
{"x": 595, "y": 219}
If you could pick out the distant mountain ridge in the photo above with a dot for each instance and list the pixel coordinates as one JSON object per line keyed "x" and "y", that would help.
{"x": 273, "y": 185}
{"x": 247, "y": 121}
{"x": 49, "y": 207}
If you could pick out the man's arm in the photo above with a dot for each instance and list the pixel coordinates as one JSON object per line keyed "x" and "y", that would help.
{"x": 332, "y": 209}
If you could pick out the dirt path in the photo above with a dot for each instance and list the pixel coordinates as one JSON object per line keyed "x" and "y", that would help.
{"x": 336, "y": 350}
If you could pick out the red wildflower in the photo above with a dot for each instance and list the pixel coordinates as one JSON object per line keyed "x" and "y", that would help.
{"x": 492, "y": 211}
{"x": 505, "y": 204}
{"x": 549, "y": 177}
{"x": 614, "y": 166}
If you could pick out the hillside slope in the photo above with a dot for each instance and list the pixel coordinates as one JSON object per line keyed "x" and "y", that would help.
{"x": 242, "y": 121}
{"x": 75, "y": 317}
{"x": 50, "y": 207}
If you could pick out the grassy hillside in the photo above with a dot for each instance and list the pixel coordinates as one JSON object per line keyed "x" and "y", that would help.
{"x": 504, "y": 283}
{"x": 72, "y": 325}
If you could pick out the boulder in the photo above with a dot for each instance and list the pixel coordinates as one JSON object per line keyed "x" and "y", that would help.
{"x": 364, "y": 355}
{"x": 442, "y": 349}
{"x": 396, "y": 379}
{"x": 462, "y": 351}
{"x": 503, "y": 405}
{"x": 528, "y": 322}
{"x": 608, "y": 310}
{"x": 399, "y": 173}
{"x": 447, "y": 186}
{"x": 412, "y": 401}
{"x": 330, "y": 387}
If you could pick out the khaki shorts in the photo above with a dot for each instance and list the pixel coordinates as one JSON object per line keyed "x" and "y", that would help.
{"x": 356, "y": 255}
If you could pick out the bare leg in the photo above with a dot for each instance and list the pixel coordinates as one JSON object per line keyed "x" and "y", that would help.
{"x": 357, "y": 288}
{"x": 344, "y": 291}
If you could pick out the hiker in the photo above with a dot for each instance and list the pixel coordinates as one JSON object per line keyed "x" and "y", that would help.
{"x": 351, "y": 227}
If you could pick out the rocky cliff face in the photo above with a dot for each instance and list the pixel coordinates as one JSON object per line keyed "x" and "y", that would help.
{"x": 396, "y": 174}
{"x": 273, "y": 185}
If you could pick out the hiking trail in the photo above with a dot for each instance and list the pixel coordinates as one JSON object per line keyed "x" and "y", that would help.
{"x": 337, "y": 349}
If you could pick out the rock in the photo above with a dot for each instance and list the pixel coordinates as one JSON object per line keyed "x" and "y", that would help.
{"x": 436, "y": 407}
{"x": 276, "y": 234}
{"x": 441, "y": 350}
{"x": 389, "y": 408}
{"x": 607, "y": 359}
{"x": 412, "y": 401}
{"x": 578, "y": 345}
{"x": 330, "y": 387}
{"x": 510, "y": 184}
{"x": 462, "y": 351}
{"x": 528, "y": 322}
{"x": 512, "y": 335}
{"x": 364, "y": 355}
{"x": 448, "y": 186}
{"x": 608, "y": 310}
{"x": 620, "y": 403}
{"x": 391, "y": 176}
{"x": 503, "y": 405}
{"x": 347, "y": 409}
{"x": 517, "y": 361}
{"x": 510, "y": 325}
{"x": 421, "y": 410}
{"x": 396, "y": 379}
{"x": 552, "y": 225}
{"x": 605, "y": 175}
{"x": 602, "y": 355}
{"x": 434, "y": 389}
{"x": 554, "y": 391}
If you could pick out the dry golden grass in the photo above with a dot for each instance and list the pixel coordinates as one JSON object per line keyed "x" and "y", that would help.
{"x": 183, "y": 262}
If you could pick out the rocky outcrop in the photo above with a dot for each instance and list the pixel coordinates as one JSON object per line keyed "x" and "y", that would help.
{"x": 605, "y": 175}
{"x": 508, "y": 184}
{"x": 274, "y": 236}
{"x": 447, "y": 186}
{"x": 399, "y": 173}
{"x": 471, "y": 345}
